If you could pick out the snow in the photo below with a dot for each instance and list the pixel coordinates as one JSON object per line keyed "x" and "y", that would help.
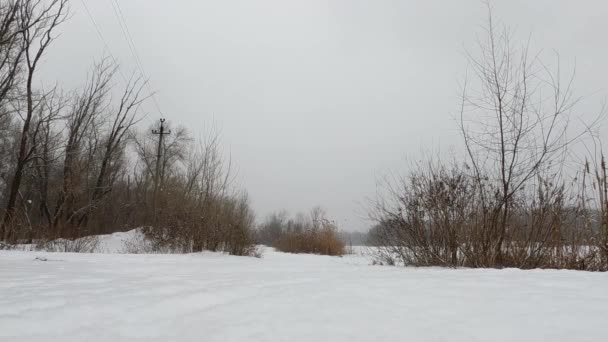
{"x": 284, "y": 297}
{"x": 118, "y": 242}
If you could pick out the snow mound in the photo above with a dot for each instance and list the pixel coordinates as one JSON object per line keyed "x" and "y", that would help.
{"x": 122, "y": 242}
{"x": 133, "y": 241}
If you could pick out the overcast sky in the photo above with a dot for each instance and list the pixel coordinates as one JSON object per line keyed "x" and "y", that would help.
{"x": 318, "y": 99}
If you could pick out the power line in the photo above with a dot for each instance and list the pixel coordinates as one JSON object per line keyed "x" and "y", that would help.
{"x": 128, "y": 32}
{"x": 123, "y": 31}
{"x": 105, "y": 43}
{"x": 133, "y": 51}
{"x": 133, "y": 48}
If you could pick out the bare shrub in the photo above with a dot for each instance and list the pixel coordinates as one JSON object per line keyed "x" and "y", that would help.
{"x": 510, "y": 204}
{"x": 315, "y": 234}
{"x": 434, "y": 216}
{"x": 222, "y": 224}
{"x": 423, "y": 218}
{"x": 87, "y": 244}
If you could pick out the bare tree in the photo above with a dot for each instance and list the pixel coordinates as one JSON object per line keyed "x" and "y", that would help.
{"x": 514, "y": 121}
{"x": 508, "y": 204}
{"x": 175, "y": 151}
{"x": 11, "y": 48}
{"x": 38, "y": 20}
{"x": 114, "y": 143}
{"x": 83, "y": 121}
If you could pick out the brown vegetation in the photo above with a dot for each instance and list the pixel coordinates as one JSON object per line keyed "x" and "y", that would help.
{"x": 511, "y": 204}
{"x": 313, "y": 234}
{"x": 73, "y": 164}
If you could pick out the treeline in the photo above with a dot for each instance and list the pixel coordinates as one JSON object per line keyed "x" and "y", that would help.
{"x": 77, "y": 163}
{"x": 532, "y": 190}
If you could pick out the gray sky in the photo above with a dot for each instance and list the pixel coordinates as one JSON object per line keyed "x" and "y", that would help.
{"x": 318, "y": 99}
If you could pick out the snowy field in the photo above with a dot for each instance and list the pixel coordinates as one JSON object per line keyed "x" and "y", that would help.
{"x": 282, "y": 297}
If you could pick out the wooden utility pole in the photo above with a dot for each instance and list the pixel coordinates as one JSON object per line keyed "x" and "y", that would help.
{"x": 161, "y": 133}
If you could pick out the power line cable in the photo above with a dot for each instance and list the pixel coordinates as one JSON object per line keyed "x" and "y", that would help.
{"x": 103, "y": 40}
{"x": 109, "y": 50}
{"x": 128, "y": 32}
{"x": 133, "y": 48}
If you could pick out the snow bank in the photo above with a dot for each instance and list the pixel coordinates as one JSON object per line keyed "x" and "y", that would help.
{"x": 119, "y": 242}
{"x": 283, "y": 297}
{"x": 132, "y": 241}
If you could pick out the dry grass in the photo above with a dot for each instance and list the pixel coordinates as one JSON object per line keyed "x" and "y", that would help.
{"x": 323, "y": 241}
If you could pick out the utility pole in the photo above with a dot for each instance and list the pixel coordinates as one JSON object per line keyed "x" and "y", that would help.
{"x": 161, "y": 133}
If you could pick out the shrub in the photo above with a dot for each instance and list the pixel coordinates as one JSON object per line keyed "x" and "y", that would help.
{"x": 315, "y": 235}
{"x": 223, "y": 223}
{"x": 87, "y": 244}
{"x": 441, "y": 216}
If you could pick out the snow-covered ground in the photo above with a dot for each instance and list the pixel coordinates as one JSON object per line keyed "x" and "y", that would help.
{"x": 283, "y": 297}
